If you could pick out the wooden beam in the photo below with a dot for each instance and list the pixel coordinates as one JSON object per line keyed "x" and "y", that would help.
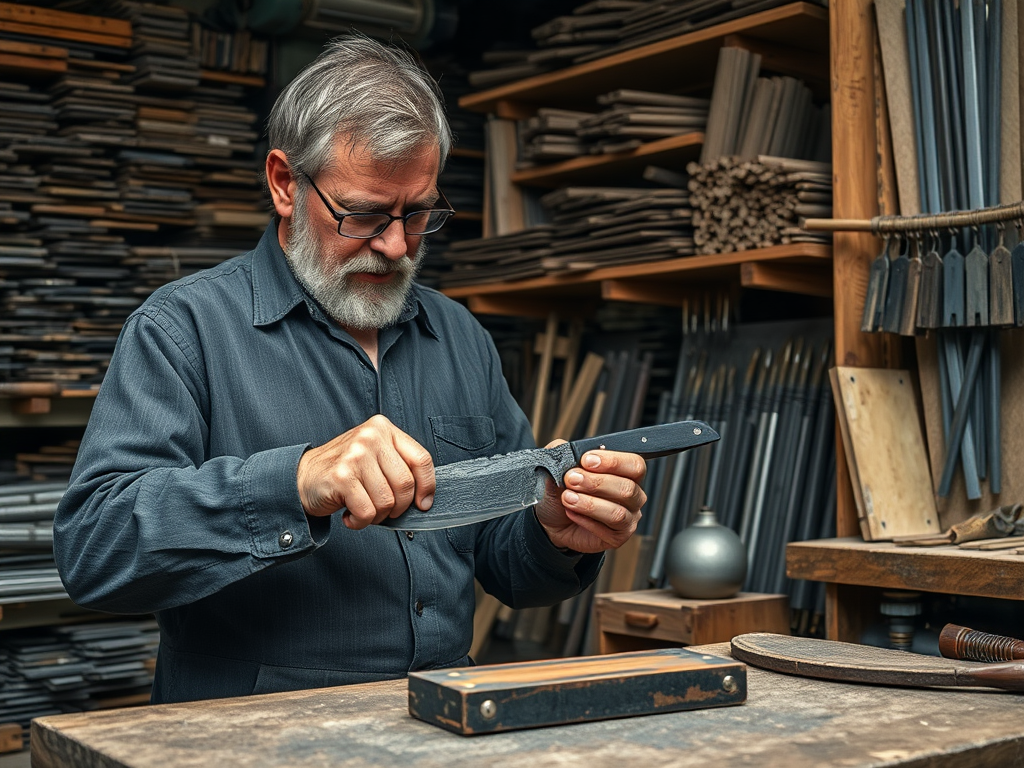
{"x": 806, "y": 279}
{"x": 854, "y": 184}
{"x": 522, "y": 306}
{"x": 643, "y": 292}
{"x": 513, "y": 110}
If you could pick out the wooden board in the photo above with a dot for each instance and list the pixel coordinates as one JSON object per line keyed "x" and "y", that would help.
{"x": 505, "y": 697}
{"x": 885, "y": 452}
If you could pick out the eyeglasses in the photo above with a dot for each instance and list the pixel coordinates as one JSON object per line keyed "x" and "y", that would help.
{"x": 363, "y": 226}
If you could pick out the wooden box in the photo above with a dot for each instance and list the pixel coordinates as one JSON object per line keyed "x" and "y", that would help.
{"x": 654, "y": 618}
{"x": 506, "y": 697}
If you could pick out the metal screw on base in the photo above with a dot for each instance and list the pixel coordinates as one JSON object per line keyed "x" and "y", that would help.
{"x": 729, "y": 684}
{"x": 488, "y": 710}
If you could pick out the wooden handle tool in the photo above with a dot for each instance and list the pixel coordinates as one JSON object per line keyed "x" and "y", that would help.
{"x": 956, "y": 642}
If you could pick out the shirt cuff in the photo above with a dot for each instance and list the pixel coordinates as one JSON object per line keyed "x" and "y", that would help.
{"x": 278, "y": 525}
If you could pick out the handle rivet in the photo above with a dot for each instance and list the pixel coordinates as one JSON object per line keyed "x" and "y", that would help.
{"x": 729, "y": 684}
{"x": 601, "y": 447}
{"x": 696, "y": 430}
{"x": 643, "y": 439}
{"x": 488, "y": 710}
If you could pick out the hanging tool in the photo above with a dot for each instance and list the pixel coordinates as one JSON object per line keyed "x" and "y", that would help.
{"x": 878, "y": 282}
{"x": 896, "y": 291}
{"x": 915, "y": 267}
{"x": 929, "y": 304}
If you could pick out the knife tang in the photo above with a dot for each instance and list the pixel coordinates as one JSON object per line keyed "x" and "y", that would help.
{"x": 650, "y": 442}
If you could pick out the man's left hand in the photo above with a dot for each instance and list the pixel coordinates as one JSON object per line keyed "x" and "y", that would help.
{"x": 599, "y": 506}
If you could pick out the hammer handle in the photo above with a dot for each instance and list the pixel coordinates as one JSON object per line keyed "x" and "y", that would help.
{"x": 956, "y": 642}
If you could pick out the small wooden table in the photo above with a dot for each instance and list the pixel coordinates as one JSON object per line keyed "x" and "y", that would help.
{"x": 655, "y": 618}
{"x": 788, "y": 722}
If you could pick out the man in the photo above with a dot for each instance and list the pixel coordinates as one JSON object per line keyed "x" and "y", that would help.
{"x": 259, "y": 418}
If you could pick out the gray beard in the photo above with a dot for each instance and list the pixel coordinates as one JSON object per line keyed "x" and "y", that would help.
{"x": 351, "y": 303}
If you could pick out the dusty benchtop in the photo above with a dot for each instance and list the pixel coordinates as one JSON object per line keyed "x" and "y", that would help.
{"x": 786, "y": 721}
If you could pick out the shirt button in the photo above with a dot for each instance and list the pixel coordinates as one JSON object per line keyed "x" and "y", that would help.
{"x": 285, "y": 539}
{"x": 419, "y": 607}
{"x": 409, "y": 535}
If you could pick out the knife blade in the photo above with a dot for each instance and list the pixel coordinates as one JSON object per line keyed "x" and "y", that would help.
{"x": 482, "y": 489}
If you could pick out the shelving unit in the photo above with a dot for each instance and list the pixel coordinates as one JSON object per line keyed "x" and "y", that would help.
{"x": 800, "y": 268}
{"x": 675, "y": 150}
{"x": 783, "y": 36}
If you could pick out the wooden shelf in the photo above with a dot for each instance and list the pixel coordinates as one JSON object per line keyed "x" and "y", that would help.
{"x": 674, "y": 152}
{"x": 474, "y": 154}
{"x": 468, "y": 216}
{"x": 218, "y": 76}
{"x": 655, "y": 282}
{"x": 881, "y": 564}
{"x": 43, "y": 404}
{"x": 660, "y": 66}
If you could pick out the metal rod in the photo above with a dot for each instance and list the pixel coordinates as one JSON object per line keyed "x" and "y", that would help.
{"x": 881, "y": 225}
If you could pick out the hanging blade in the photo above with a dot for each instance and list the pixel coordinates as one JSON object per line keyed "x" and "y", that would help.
{"x": 929, "y": 303}
{"x": 896, "y": 291}
{"x": 1000, "y": 286}
{"x": 915, "y": 266}
{"x": 953, "y": 288}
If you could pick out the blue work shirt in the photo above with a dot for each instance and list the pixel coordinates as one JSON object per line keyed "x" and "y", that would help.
{"x": 184, "y": 499}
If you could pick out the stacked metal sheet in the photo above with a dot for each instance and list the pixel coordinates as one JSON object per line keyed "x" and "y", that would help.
{"x": 27, "y": 570}
{"x": 630, "y": 119}
{"x": 100, "y": 160}
{"x": 589, "y": 227}
{"x": 75, "y": 668}
{"x": 602, "y": 27}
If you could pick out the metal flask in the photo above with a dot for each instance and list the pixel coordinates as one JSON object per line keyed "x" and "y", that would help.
{"x": 706, "y": 560}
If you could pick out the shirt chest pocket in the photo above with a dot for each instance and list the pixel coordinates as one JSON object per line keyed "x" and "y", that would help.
{"x": 457, "y": 438}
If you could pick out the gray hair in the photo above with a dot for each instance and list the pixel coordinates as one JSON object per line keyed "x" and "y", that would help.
{"x": 372, "y": 94}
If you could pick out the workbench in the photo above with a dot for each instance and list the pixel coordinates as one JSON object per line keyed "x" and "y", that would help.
{"x": 787, "y": 721}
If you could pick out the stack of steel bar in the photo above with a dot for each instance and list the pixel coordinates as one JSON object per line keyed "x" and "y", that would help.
{"x": 27, "y": 570}
{"x": 741, "y": 205}
{"x": 962, "y": 285}
{"x": 630, "y": 119}
{"x": 590, "y": 227}
{"x": 109, "y": 187}
{"x": 771, "y": 477}
{"x": 76, "y": 668}
{"x": 602, "y": 27}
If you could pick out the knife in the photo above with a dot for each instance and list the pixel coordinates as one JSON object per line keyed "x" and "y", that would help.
{"x": 482, "y": 489}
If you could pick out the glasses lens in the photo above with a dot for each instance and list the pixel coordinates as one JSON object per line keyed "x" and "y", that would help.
{"x": 425, "y": 222}
{"x": 363, "y": 224}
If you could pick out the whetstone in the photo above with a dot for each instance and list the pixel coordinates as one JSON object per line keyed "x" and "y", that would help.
{"x": 505, "y": 697}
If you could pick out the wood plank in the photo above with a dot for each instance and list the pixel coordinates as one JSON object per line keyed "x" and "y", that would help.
{"x": 805, "y": 280}
{"x": 33, "y": 49}
{"x": 75, "y": 35}
{"x": 675, "y": 151}
{"x": 888, "y": 451}
{"x": 46, "y": 17}
{"x": 851, "y": 30}
{"x": 657, "y": 65}
{"x": 216, "y": 76}
{"x": 14, "y": 63}
{"x": 881, "y": 564}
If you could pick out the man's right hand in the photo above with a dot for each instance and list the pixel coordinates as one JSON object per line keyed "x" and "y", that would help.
{"x": 373, "y": 471}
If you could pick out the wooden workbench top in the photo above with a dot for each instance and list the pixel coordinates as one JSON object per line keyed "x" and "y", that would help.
{"x": 787, "y": 721}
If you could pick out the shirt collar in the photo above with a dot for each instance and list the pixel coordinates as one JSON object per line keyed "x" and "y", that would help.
{"x": 276, "y": 292}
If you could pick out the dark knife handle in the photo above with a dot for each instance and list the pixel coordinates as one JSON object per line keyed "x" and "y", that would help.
{"x": 650, "y": 442}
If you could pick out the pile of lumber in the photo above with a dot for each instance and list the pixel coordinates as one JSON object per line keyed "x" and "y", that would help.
{"x": 739, "y": 205}
{"x": 112, "y": 181}
{"x": 588, "y": 227}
